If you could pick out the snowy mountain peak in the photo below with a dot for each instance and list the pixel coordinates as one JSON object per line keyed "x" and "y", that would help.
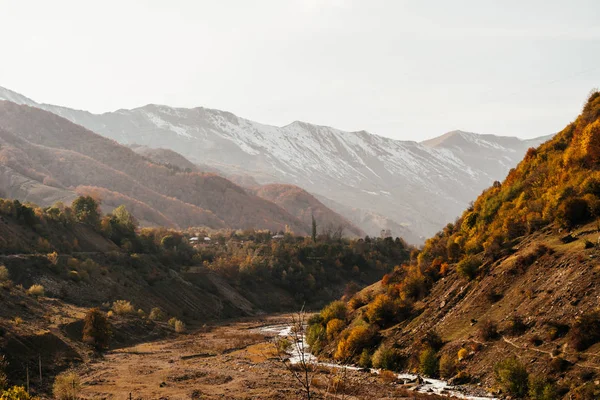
{"x": 418, "y": 185}
{"x": 9, "y": 95}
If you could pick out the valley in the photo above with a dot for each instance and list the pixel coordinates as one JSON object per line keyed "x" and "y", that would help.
{"x": 232, "y": 359}
{"x": 299, "y": 200}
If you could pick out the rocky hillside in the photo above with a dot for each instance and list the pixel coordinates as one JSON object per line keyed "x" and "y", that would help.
{"x": 45, "y": 158}
{"x": 510, "y": 289}
{"x": 419, "y": 186}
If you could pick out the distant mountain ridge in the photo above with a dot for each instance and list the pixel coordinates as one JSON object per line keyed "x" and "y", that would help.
{"x": 45, "y": 158}
{"x": 420, "y": 186}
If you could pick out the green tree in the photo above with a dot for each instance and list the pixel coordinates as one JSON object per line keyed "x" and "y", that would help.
{"x": 314, "y": 229}
{"x": 467, "y": 267}
{"x": 447, "y": 366}
{"x": 87, "y": 210}
{"x": 512, "y": 376}
{"x": 168, "y": 242}
{"x": 428, "y": 363}
{"x": 96, "y": 329}
{"x": 125, "y": 219}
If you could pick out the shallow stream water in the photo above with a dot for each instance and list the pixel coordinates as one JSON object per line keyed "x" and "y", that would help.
{"x": 429, "y": 386}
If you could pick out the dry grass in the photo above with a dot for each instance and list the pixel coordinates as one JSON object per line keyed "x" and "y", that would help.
{"x": 36, "y": 290}
{"x": 123, "y": 307}
{"x": 388, "y": 376}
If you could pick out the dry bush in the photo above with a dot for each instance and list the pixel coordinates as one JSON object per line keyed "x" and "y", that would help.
{"x": 36, "y": 290}
{"x": 555, "y": 330}
{"x": 356, "y": 302}
{"x": 66, "y": 386}
{"x": 4, "y": 275}
{"x": 157, "y": 314}
{"x": 462, "y": 354}
{"x": 388, "y": 376}
{"x": 53, "y": 258}
{"x": 179, "y": 326}
{"x": 96, "y": 329}
{"x": 559, "y": 364}
{"x": 516, "y": 326}
{"x": 585, "y": 331}
{"x": 488, "y": 330}
{"x": 386, "y": 357}
{"x": 536, "y": 341}
{"x": 74, "y": 276}
{"x": 123, "y": 307}
{"x": 447, "y": 366}
{"x": 494, "y": 296}
{"x": 17, "y": 393}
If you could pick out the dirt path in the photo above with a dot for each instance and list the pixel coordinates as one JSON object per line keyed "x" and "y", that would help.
{"x": 549, "y": 353}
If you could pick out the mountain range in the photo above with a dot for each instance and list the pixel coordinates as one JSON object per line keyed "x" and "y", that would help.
{"x": 46, "y": 159}
{"x": 374, "y": 182}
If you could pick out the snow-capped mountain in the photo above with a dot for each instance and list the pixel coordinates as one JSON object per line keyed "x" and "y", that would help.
{"x": 421, "y": 186}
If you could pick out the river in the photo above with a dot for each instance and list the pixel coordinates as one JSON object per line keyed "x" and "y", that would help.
{"x": 429, "y": 386}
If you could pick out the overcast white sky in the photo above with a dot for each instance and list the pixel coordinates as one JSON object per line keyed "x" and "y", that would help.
{"x": 405, "y": 69}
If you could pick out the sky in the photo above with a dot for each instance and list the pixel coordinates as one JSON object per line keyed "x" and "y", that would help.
{"x": 409, "y": 70}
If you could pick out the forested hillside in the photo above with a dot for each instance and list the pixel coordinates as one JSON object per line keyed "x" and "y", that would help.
{"x": 57, "y": 262}
{"x": 507, "y": 295}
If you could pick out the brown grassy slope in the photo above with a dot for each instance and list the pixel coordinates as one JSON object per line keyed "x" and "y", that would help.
{"x": 167, "y": 157}
{"x": 303, "y": 205}
{"x": 556, "y": 288}
{"x": 69, "y": 169}
{"x": 48, "y": 148}
{"x": 91, "y": 271}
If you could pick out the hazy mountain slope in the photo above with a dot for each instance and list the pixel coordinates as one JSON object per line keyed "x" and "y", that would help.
{"x": 171, "y": 158}
{"x": 372, "y": 222}
{"x": 55, "y": 152}
{"x": 304, "y": 206}
{"x": 419, "y": 185}
{"x": 494, "y": 155}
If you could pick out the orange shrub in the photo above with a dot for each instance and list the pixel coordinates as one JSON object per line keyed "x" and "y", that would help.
{"x": 353, "y": 342}
{"x": 334, "y": 327}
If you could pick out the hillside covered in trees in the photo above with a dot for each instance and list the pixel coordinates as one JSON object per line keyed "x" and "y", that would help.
{"x": 507, "y": 295}
{"x": 59, "y": 261}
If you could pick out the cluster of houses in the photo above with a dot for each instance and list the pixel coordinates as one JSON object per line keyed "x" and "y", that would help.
{"x": 205, "y": 241}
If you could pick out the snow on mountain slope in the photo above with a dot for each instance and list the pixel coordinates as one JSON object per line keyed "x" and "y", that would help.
{"x": 419, "y": 185}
